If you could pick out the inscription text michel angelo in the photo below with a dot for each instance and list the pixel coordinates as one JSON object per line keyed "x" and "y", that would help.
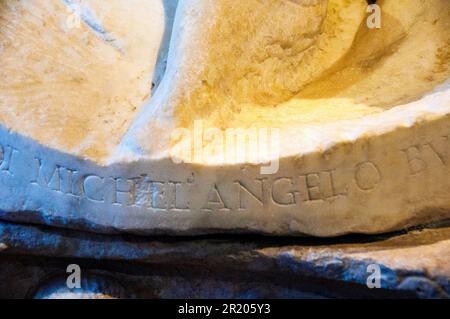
{"x": 145, "y": 193}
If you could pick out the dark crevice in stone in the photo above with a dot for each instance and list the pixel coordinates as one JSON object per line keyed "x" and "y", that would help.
{"x": 140, "y": 277}
{"x": 258, "y": 240}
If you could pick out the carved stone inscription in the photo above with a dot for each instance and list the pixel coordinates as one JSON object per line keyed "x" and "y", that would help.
{"x": 421, "y": 156}
{"x": 139, "y": 191}
{"x": 237, "y": 195}
{"x": 169, "y": 195}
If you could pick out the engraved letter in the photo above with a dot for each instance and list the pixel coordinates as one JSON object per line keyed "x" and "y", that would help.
{"x": 280, "y": 193}
{"x": 93, "y": 187}
{"x": 215, "y": 200}
{"x": 257, "y": 198}
{"x": 124, "y": 191}
{"x": 367, "y": 176}
{"x": 7, "y": 155}
{"x": 415, "y": 161}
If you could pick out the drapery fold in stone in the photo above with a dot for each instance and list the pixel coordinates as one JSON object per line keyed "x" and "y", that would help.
{"x": 201, "y": 116}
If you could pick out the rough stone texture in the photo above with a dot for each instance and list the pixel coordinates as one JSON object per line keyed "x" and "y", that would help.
{"x": 121, "y": 117}
{"x": 362, "y": 115}
{"x": 414, "y": 264}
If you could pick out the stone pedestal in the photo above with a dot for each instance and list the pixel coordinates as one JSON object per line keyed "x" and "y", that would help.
{"x": 413, "y": 263}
